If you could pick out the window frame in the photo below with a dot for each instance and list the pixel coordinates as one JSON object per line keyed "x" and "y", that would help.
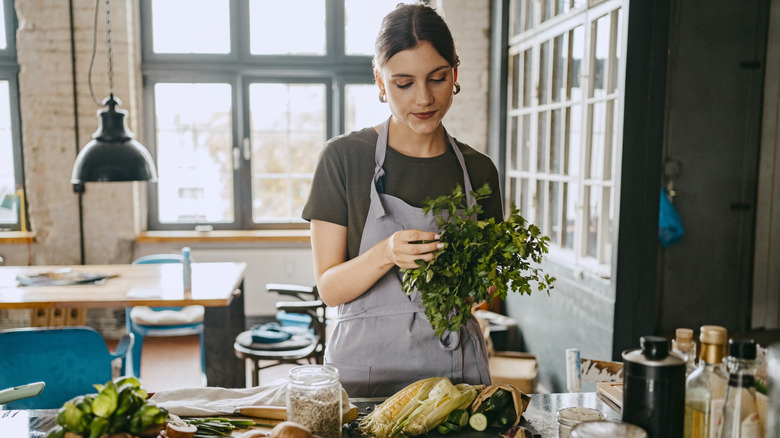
{"x": 545, "y": 31}
{"x": 240, "y": 69}
{"x": 9, "y": 71}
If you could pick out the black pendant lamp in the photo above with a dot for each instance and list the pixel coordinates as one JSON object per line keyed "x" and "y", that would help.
{"x": 113, "y": 154}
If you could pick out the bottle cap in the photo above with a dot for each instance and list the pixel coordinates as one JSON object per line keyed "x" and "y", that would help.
{"x": 683, "y": 335}
{"x": 713, "y": 334}
{"x": 742, "y": 348}
{"x": 654, "y": 347}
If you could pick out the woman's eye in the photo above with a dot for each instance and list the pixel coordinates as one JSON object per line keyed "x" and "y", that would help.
{"x": 406, "y": 85}
{"x": 441, "y": 79}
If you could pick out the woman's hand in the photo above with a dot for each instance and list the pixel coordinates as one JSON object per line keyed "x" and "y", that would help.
{"x": 406, "y": 246}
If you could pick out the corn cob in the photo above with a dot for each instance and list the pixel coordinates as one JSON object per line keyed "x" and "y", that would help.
{"x": 384, "y": 421}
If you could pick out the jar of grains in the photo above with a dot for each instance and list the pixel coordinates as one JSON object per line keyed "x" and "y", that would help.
{"x": 570, "y": 417}
{"x": 314, "y": 399}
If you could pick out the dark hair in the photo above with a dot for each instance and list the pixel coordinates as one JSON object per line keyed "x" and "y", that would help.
{"x": 409, "y": 25}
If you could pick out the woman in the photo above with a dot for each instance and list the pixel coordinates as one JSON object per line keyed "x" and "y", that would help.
{"x": 366, "y": 220}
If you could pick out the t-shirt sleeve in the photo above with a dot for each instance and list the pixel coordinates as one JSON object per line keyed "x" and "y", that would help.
{"x": 327, "y": 198}
{"x": 493, "y": 206}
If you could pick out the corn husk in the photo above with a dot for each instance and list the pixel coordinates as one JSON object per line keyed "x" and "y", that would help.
{"x": 418, "y": 408}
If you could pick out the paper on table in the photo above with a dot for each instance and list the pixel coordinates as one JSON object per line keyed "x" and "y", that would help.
{"x": 14, "y": 424}
{"x": 220, "y": 401}
{"x": 144, "y": 293}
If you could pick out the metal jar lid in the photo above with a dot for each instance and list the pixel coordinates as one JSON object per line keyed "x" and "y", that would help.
{"x": 610, "y": 429}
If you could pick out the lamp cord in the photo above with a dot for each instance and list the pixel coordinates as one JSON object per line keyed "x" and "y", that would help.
{"x": 110, "y": 53}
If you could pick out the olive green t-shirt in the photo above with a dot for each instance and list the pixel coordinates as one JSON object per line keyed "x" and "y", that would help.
{"x": 340, "y": 190}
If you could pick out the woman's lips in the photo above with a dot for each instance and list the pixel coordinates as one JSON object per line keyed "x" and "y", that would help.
{"x": 424, "y": 116}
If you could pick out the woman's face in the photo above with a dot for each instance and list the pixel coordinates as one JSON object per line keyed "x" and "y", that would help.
{"x": 419, "y": 84}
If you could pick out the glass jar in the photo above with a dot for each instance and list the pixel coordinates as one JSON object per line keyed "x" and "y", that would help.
{"x": 607, "y": 429}
{"x": 314, "y": 399}
{"x": 570, "y": 417}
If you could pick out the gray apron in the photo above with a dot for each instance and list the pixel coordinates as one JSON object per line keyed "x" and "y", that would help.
{"x": 382, "y": 340}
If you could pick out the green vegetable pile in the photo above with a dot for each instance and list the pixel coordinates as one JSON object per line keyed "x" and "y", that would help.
{"x": 119, "y": 406}
{"x": 477, "y": 254}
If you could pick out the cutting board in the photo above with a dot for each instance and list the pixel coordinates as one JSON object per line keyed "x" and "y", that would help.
{"x": 612, "y": 391}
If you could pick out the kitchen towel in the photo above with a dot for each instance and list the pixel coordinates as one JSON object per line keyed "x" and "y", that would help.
{"x": 201, "y": 402}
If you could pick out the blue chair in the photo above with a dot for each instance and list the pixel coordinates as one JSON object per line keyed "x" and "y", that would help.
{"x": 70, "y": 360}
{"x": 144, "y": 321}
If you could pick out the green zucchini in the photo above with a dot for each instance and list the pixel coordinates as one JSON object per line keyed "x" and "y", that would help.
{"x": 498, "y": 400}
{"x": 459, "y": 417}
{"x": 443, "y": 429}
{"x": 507, "y": 416}
{"x": 478, "y": 422}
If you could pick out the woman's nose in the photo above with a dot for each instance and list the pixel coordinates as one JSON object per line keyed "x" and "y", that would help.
{"x": 424, "y": 96}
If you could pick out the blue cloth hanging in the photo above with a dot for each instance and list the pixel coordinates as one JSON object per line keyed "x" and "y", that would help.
{"x": 670, "y": 227}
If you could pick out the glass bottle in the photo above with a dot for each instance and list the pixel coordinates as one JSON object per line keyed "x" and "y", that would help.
{"x": 314, "y": 399}
{"x": 684, "y": 348}
{"x": 705, "y": 387}
{"x": 740, "y": 413}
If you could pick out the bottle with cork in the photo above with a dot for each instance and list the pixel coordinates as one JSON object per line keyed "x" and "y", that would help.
{"x": 684, "y": 348}
{"x": 705, "y": 387}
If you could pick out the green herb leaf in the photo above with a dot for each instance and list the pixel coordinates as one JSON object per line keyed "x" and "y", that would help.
{"x": 477, "y": 254}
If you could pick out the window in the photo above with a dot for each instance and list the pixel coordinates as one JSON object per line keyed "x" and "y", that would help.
{"x": 12, "y": 203}
{"x": 241, "y": 96}
{"x": 563, "y": 123}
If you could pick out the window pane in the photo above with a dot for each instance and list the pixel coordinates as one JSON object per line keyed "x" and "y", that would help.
{"x": 194, "y": 144}
{"x": 594, "y": 210}
{"x": 555, "y": 212}
{"x": 556, "y": 145}
{"x": 596, "y": 170}
{"x": 362, "y": 22}
{"x": 601, "y": 56}
{"x": 574, "y": 142}
{"x": 8, "y": 210}
{"x": 569, "y": 216}
{"x": 513, "y": 145}
{"x": 178, "y": 26}
{"x": 576, "y": 51}
{"x": 525, "y": 199}
{"x": 293, "y": 27}
{"x": 288, "y": 128}
{"x": 514, "y": 75}
{"x": 559, "y": 68}
{"x": 528, "y": 78}
{"x": 542, "y": 144}
{"x": 544, "y": 72}
{"x": 525, "y": 143}
{"x": 540, "y": 197}
{"x": 3, "y": 42}
{"x": 362, "y": 107}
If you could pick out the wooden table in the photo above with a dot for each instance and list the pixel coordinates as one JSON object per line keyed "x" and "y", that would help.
{"x": 216, "y": 286}
{"x": 540, "y": 416}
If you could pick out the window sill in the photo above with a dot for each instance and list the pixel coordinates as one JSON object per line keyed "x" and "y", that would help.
{"x": 223, "y": 236}
{"x": 16, "y": 237}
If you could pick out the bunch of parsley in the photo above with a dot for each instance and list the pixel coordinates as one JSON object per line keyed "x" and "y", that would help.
{"x": 477, "y": 254}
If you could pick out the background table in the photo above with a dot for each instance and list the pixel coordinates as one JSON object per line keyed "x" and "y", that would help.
{"x": 216, "y": 286}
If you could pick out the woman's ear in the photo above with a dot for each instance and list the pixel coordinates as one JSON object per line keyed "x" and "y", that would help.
{"x": 378, "y": 78}
{"x": 455, "y": 74}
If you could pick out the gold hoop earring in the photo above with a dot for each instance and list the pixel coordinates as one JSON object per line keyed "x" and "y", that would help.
{"x": 457, "y": 88}
{"x": 382, "y": 96}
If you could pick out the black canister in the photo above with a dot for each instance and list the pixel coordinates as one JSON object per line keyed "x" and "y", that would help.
{"x": 654, "y": 388}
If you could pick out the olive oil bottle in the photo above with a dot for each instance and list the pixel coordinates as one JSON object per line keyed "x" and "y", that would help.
{"x": 705, "y": 387}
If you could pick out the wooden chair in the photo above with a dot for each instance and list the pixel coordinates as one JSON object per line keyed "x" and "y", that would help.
{"x": 308, "y": 310}
{"x": 144, "y": 321}
{"x": 70, "y": 360}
